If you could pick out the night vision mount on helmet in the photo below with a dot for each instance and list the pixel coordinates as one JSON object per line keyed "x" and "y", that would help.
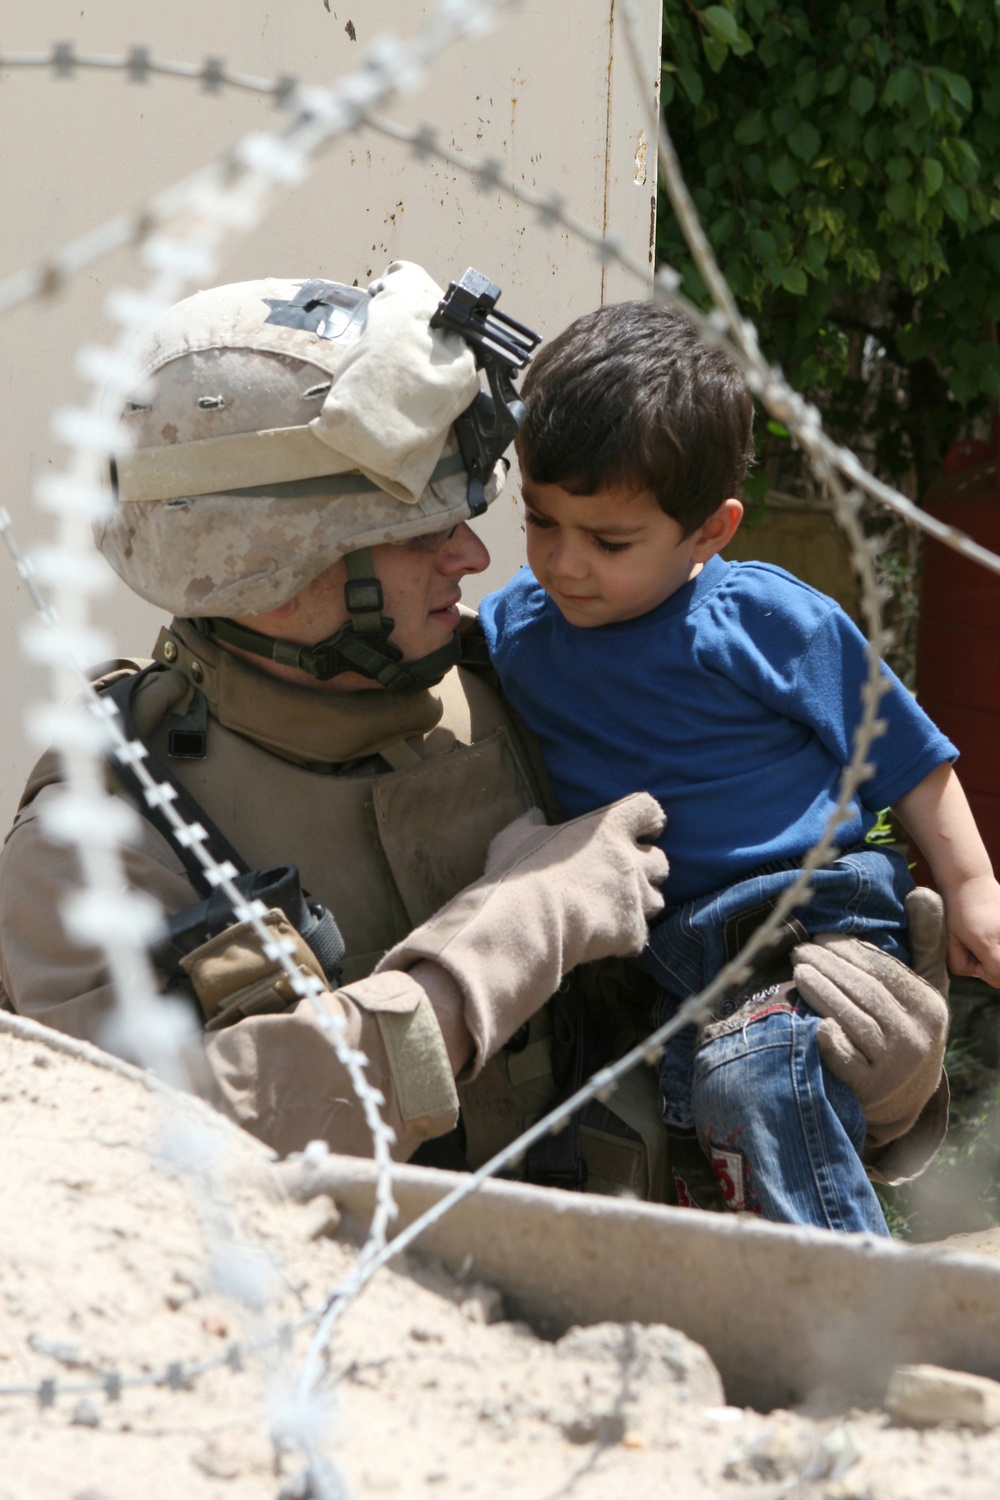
{"x": 486, "y": 429}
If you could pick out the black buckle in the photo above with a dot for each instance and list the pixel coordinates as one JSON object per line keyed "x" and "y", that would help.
{"x": 572, "y": 1179}
{"x": 321, "y": 662}
{"x": 187, "y": 738}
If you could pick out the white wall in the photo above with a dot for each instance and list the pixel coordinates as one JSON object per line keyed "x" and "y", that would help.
{"x": 551, "y": 94}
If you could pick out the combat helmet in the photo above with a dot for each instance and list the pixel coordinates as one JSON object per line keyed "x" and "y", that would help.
{"x": 283, "y": 424}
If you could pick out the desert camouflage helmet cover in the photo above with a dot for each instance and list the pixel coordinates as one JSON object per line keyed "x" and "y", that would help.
{"x": 287, "y": 423}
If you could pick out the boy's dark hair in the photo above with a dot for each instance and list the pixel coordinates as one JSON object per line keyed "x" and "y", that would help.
{"x": 630, "y": 395}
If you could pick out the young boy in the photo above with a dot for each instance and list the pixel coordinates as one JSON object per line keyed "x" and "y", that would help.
{"x": 642, "y": 660}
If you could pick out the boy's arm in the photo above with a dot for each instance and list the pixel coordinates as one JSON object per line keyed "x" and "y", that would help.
{"x": 938, "y": 816}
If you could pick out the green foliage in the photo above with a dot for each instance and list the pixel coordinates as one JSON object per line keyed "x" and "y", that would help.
{"x": 881, "y": 832}
{"x": 845, "y": 160}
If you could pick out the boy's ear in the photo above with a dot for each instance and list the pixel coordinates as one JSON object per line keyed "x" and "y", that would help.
{"x": 718, "y": 531}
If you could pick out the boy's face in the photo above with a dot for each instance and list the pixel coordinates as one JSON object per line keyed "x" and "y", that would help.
{"x": 614, "y": 555}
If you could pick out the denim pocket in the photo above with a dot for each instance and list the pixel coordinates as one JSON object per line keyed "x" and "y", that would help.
{"x": 785, "y": 1133}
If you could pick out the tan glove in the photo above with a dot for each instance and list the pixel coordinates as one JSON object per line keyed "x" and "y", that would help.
{"x": 553, "y": 898}
{"x": 509, "y": 841}
{"x": 885, "y": 1026}
{"x": 928, "y": 937}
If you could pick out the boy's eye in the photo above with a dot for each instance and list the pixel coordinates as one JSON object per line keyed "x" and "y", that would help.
{"x": 610, "y": 546}
{"x": 534, "y": 520}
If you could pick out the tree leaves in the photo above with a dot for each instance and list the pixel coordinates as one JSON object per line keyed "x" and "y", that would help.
{"x": 861, "y": 94}
{"x": 805, "y": 141}
{"x": 959, "y": 88}
{"x": 902, "y": 87}
{"x": 692, "y": 85}
{"x": 956, "y": 202}
{"x": 846, "y": 151}
{"x": 793, "y": 279}
{"x": 784, "y": 175}
{"x": 751, "y": 128}
{"x": 722, "y": 28}
{"x": 933, "y": 175}
{"x": 901, "y": 201}
{"x": 835, "y": 79}
{"x": 721, "y": 24}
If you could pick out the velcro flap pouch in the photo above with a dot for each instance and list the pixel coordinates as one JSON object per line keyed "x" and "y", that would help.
{"x": 233, "y": 977}
{"x": 435, "y": 822}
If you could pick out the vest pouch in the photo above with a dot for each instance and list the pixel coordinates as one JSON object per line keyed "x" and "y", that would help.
{"x": 436, "y": 821}
{"x": 512, "y": 1091}
{"x": 623, "y": 1141}
{"x": 233, "y": 977}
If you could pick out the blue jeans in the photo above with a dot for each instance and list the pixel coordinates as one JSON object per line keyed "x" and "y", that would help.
{"x": 783, "y": 1135}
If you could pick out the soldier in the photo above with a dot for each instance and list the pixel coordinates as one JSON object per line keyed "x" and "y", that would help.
{"x": 307, "y": 458}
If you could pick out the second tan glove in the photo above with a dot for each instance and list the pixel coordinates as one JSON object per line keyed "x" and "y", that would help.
{"x": 885, "y": 1026}
{"x": 554, "y": 898}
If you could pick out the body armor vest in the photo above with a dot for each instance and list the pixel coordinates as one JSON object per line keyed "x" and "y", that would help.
{"x": 387, "y": 805}
{"x": 382, "y": 847}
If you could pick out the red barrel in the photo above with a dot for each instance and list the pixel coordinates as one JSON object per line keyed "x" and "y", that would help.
{"x": 958, "y": 635}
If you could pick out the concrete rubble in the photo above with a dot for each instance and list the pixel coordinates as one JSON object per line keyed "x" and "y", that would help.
{"x": 927, "y": 1396}
{"x": 534, "y": 1345}
{"x": 788, "y": 1315}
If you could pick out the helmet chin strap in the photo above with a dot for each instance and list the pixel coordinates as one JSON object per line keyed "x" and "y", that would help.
{"x": 361, "y": 645}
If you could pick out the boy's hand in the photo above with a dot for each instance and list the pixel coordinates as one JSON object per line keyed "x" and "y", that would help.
{"x": 937, "y": 814}
{"x": 972, "y": 911}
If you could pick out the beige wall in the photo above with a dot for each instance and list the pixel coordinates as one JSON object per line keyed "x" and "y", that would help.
{"x": 803, "y": 537}
{"x": 551, "y": 94}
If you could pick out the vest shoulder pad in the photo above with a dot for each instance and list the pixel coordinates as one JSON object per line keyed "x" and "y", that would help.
{"x": 47, "y": 771}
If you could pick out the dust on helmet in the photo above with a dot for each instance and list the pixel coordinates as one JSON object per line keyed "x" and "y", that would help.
{"x": 283, "y": 424}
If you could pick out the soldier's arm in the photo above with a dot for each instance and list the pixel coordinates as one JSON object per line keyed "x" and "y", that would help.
{"x": 46, "y": 974}
{"x": 276, "y": 1075}
{"x": 552, "y": 898}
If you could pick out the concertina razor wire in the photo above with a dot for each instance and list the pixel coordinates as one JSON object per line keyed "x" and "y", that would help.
{"x": 120, "y": 923}
{"x": 132, "y": 229}
{"x": 260, "y": 164}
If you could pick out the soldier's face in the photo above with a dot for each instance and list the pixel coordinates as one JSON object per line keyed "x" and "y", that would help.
{"x": 421, "y": 587}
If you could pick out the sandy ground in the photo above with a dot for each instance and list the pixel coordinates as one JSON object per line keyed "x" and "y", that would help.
{"x": 111, "y": 1266}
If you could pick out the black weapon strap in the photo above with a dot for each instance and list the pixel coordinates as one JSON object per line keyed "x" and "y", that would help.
{"x": 192, "y": 813}
{"x": 278, "y": 887}
{"x": 557, "y": 1159}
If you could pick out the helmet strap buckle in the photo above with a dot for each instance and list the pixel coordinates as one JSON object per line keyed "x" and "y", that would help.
{"x": 361, "y": 645}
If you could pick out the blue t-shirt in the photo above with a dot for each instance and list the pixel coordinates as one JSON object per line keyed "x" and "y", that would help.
{"x": 734, "y": 702}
